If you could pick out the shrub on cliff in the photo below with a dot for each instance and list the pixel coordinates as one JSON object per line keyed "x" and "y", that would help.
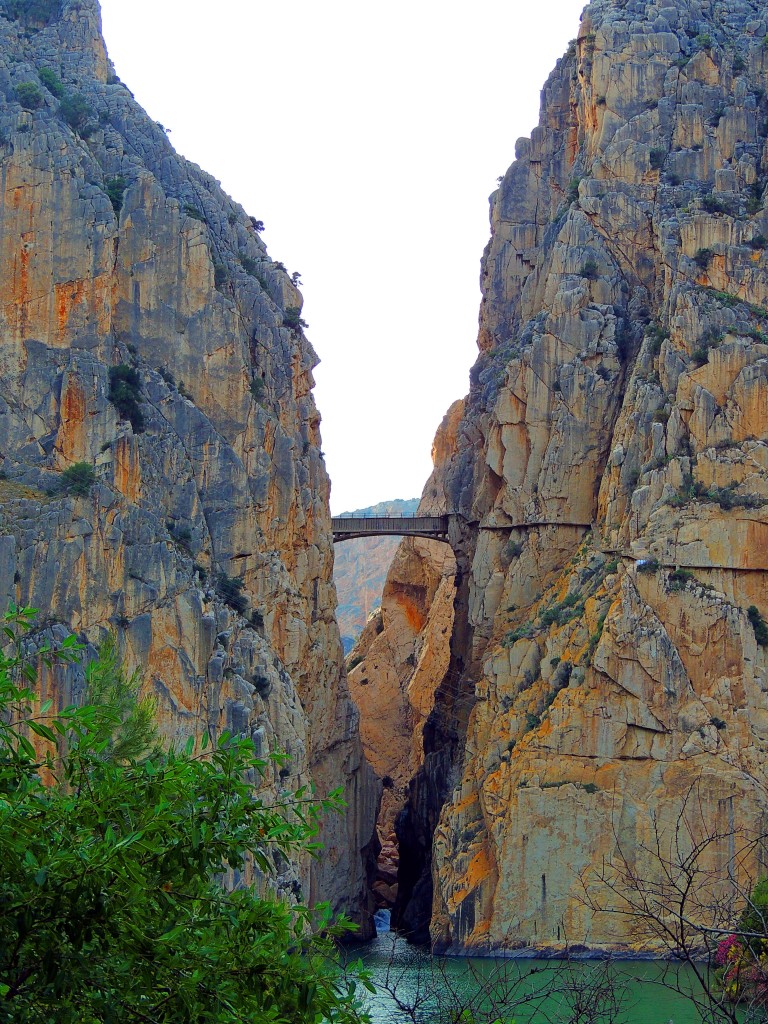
{"x": 52, "y": 82}
{"x": 115, "y": 189}
{"x": 110, "y": 911}
{"x": 77, "y": 112}
{"x": 589, "y": 269}
{"x": 292, "y": 319}
{"x": 78, "y": 479}
{"x": 32, "y": 13}
{"x": 124, "y": 383}
{"x": 29, "y": 96}
{"x": 759, "y": 625}
{"x": 229, "y": 589}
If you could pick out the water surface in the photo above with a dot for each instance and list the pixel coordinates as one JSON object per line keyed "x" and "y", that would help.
{"x": 413, "y": 986}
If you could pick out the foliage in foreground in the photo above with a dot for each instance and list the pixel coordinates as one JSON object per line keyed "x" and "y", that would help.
{"x": 109, "y": 909}
{"x": 742, "y": 957}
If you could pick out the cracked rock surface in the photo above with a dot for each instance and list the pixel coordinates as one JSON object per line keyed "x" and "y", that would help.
{"x": 610, "y": 464}
{"x": 118, "y": 253}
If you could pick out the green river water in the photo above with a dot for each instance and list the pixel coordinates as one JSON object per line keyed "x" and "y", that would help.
{"x": 528, "y": 991}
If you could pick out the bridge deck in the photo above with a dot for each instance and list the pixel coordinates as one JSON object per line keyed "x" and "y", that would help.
{"x": 347, "y": 527}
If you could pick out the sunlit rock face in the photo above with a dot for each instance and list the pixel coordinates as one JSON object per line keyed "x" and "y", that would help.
{"x": 617, "y": 415}
{"x": 117, "y": 252}
{"x": 398, "y": 664}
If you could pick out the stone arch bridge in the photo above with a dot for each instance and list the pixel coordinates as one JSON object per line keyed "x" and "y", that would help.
{"x": 432, "y": 527}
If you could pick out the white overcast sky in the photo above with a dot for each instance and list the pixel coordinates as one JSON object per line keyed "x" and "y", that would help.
{"x": 367, "y": 136}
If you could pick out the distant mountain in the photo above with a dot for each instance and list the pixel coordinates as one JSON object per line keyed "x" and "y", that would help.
{"x": 360, "y": 568}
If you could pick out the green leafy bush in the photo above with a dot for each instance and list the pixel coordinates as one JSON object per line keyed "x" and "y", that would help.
{"x": 755, "y": 198}
{"x": 572, "y": 192}
{"x": 75, "y": 109}
{"x": 111, "y": 908}
{"x": 220, "y": 275}
{"x": 124, "y": 394}
{"x": 714, "y": 205}
{"x": 728, "y": 498}
{"x": 29, "y": 96}
{"x": 52, "y": 82}
{"x": 292, "y": 319}
{"x": 758, "y": 624}
{"x": 181, "y": 535}
{"x": 193, "y": 212}
{"x": 256, "y": 388}
{"x": 703, "y": 258}
{"x": 115, "y": 189}
{"x": 523, "y": 632}
{"x": 656, "y": 158}
{"x": 78, "y": 479}
{"x": 648, "y": 565}
{"x": 229, "y": 589}
{"x": 248, "y": 263}
{"x": 678, "y": 579}
{"x": 589, "y": 270}
{"x": 32, "y": 13}
{"x": 562, "y": 612}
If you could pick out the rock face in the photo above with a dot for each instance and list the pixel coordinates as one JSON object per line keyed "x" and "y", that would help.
{"x": 146, "y": 332}
{"x": 610, "y": 466}
{"x": 360, "y": 569}
{"x": 397, "y": 665}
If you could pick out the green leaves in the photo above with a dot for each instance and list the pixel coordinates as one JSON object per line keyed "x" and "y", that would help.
{"x": 109, "y": 905}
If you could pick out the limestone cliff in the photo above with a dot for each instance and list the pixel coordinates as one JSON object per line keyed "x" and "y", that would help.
{"x": 610, "y": 469}
{"x": 147, "y": 333}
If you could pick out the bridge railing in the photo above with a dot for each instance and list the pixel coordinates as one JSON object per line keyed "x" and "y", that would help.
{"x": 374, "y": 515}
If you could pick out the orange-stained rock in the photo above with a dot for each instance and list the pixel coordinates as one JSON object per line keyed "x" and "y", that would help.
{"x": 618, "y": 413}
{"x": 226, "y": 478}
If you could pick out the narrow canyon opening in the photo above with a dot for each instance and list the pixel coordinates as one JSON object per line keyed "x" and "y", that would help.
{"x": 395, "y": 670}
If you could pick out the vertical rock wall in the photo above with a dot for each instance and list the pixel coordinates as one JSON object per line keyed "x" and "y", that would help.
{"x": 610, "y": 467}
{"x": 117, "y": 252}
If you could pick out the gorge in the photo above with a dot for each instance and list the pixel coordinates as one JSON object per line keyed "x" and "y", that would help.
{"x": 585, "y": 663}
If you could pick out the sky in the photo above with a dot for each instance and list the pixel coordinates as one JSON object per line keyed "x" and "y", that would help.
{"x": 367, "y": 136}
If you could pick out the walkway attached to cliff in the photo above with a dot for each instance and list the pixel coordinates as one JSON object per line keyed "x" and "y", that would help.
{"x": 348, "y": 527}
